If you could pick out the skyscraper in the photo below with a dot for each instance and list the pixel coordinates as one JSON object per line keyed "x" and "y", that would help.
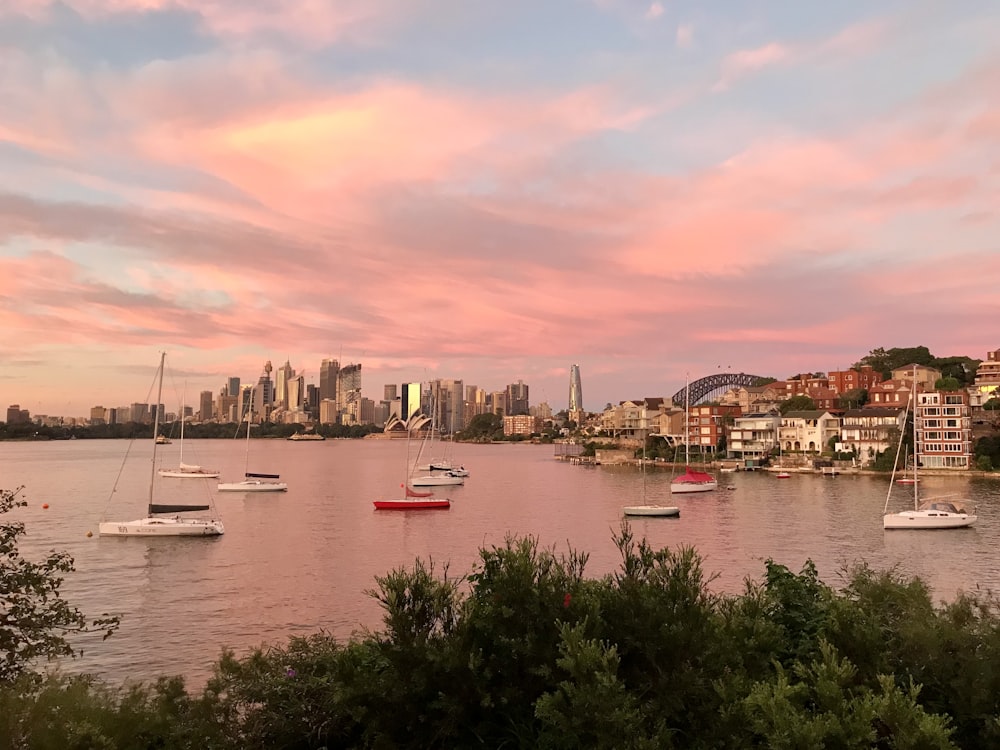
{"x": 575, "y": 389}
{"x": 328, "y": 370}
{"x": 517, "y": 399}
{"x": 205, "y": 412}
{"x": 281, "y": 378}
{"x": 348, "y": 392}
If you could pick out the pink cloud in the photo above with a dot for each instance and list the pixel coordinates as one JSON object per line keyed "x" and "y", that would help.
{"x": 684, "y": 37}
{"x": 744, "y": 62}
{"x": 313, "y": 22}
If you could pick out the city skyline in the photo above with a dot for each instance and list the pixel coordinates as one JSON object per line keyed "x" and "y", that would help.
{"x": 644, "y": 189}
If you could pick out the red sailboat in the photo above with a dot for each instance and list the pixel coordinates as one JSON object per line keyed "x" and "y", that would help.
{"x": 412, "y": 499}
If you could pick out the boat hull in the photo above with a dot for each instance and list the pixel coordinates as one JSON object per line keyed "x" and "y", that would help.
{"x": 442, "y": 481}
{"x": 922, "y": 519}
{"x": 161, "y": 526}
{"x": 252, "y": 485}
{"x": 685, "y": 487}
{"x": 189, "y": 474}
{"x": 413, "y": 504}
{"x": 667, "y": 511}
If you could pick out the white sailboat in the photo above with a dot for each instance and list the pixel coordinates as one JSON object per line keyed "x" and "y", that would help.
{"x": 163, "y": 519}
{"x": 253, "y": 481}
{"x": 930, "y": 513}
{"x": 691, "y": 480}
{"x": 668, "y": 511}
{"x": 449, "y": 478}
{"x": 183, "y": 470}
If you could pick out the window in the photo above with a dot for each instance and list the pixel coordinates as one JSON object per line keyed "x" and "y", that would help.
{"x": 932, "y": 412}
{"x": 932, "y": 423}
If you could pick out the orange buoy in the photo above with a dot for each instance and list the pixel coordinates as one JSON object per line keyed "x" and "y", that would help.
{"x": 90, "y": 534}
{"x": 45, "y": 505}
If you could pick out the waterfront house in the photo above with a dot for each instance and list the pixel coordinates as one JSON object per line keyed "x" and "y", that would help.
{"x": 869, "y": 432}
{"x": 753, "y": 437}
{"x": 808, "y": 431}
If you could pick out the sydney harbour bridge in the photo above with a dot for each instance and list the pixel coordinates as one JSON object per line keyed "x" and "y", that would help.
{"x": 713, "y": 386}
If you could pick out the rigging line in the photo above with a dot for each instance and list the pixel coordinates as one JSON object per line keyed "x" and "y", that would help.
{"x": 128, "y": 449}
{"x": 892, "y": 479}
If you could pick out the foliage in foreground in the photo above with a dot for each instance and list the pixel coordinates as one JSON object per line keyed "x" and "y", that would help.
{"x": 35, "y": 621}
{"x": 526, "y": 651}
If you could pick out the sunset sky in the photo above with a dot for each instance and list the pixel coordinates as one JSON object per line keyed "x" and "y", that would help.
{"x": 490, "y": 191}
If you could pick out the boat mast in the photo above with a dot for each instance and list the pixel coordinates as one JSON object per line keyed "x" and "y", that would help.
{"x": 183, "y": 396}
{"x": 246, "y": 463}
{"x": 916, "y": 502}
{"x": 687, "y": 421}
{"x": 156, "y": 430}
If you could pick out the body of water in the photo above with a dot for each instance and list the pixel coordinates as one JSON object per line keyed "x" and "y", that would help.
{"x": 300, "y": 562}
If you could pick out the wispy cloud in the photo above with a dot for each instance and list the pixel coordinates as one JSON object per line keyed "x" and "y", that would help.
{"x": 748, "y": 61}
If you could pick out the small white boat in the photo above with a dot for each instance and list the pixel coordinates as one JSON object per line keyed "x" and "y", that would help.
{"x": 188, "y": 471}
{"x": 298, "y": 436}
{"x": 667, "y": 511}
{"x": 437, "y": 480}
{"x": 253, "y": 484}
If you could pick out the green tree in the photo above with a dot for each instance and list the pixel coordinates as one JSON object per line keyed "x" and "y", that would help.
{"x": 35, "y": 621}
{"x": 947, "y": 384}
{"x": 853, "y": 399}
{"x": 483, "y": 427}
{"x": 797, "y": 403}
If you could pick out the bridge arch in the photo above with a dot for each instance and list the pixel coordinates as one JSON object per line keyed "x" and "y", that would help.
{"x": 715, "y": 385}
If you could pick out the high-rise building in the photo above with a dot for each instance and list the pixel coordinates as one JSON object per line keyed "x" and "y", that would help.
{"x": 311, "y": 403}
{"x": 139, "y": 413}
{"x": 281, "y": 377}
{"x": 390, "y": 392}
{"x": 328, "y": 370}
{"x": 575, "y": 389}
{"x": 233, "y": 387}
{"x": 496, "y": 403}
{"x": 517, "y": 399}
{"x": 206, "y": 412}
{"x": 295, "y": 395}
{"x": 17, "y": 415}
{"x": 98, "y": 415}
{"x": 348, "y": 392}
{"x": 449, "y": 397}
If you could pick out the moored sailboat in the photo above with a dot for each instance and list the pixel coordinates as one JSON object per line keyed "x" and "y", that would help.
{"x": 183, "y": 470}
{"x": 930, "y": 513}
{"x": 645, "y": 509}
{"x": 163, "y": 519}
{"x": 691, "y": 480}
{"x": 412, "y": 499}
{"x": 253, "y": 481}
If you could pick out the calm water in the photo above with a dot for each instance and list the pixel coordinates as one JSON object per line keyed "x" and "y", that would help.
{"x": 299, "y": 562}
